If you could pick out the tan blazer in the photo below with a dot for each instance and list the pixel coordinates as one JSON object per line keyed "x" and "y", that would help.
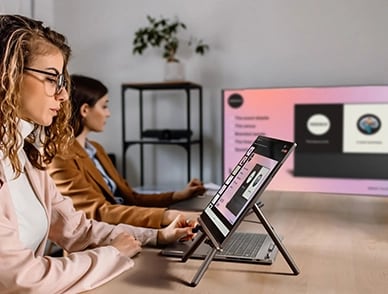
{"x": 24, "y": 271}
{"x": 76, "y": 176}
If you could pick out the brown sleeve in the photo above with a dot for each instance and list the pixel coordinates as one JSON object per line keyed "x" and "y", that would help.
{"x": 72, "y": 180}
{"x": 131, "y": 196}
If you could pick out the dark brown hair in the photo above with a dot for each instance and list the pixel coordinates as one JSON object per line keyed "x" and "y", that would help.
{"x": 84, "y": 90}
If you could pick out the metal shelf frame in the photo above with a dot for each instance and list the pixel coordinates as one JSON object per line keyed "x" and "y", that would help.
{"x": 186, "y": 143}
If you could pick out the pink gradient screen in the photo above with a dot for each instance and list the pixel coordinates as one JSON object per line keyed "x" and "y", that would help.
{"x": 270, "y": 112}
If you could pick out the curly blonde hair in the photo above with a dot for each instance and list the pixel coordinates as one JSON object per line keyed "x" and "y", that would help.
{"x": 21, "y": 40}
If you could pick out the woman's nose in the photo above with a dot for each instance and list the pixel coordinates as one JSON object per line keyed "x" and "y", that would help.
{"x": 62, "y": 96}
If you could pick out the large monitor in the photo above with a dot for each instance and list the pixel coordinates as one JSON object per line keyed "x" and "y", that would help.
{"x": 341, "y": 132}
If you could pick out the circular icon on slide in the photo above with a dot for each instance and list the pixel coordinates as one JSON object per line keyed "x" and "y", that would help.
{"x": 318, "y": 124}
{"x": 235, "y": 100}
{"x": 368, "y": 124}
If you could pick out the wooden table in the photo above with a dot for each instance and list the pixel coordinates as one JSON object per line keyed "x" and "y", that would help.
{"x": 339, "y": 242}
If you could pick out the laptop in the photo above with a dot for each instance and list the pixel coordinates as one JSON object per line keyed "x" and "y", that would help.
{"x": 197, "y": 203}
{"x": 235, "y": 198}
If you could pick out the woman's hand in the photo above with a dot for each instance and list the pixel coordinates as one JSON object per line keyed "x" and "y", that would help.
{"x": 126, "y": 244}
{"x": 180, "y": 228}
{"x": 194, "y": 188}
{"x": 170, "y": 215}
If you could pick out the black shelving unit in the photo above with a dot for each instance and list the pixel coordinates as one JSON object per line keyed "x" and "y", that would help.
{"x": 186, "y": 142}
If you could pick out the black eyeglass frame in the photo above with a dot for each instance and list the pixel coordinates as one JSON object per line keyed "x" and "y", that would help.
{"x": 61, "y": 80}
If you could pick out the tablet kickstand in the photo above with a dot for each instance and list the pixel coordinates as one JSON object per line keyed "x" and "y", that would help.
{"x": 209, "y": 257}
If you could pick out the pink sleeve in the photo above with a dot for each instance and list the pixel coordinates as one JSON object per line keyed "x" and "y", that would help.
{"x": 22, "y": 270}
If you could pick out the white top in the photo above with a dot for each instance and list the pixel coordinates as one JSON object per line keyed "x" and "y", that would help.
{"x": 32, "y": 218}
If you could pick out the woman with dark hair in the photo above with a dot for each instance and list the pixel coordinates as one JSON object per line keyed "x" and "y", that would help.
{"x": 90, "y": 179}
{"x": 35, "y": 111}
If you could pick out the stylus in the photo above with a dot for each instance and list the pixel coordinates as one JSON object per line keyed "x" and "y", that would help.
{"x": 196, "y": 229}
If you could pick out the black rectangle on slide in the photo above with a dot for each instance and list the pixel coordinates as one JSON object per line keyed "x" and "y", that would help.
{"x": 339, "y": 165}
{"x": 318, "y": 127}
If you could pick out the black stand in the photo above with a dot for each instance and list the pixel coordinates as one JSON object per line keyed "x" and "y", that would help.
{"x": 267, "y": 226}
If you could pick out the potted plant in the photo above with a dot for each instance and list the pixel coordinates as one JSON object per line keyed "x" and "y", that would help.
{"x": 163, "y": 33}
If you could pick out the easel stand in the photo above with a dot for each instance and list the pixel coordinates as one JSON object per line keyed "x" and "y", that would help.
{"x": 267, "y": 226}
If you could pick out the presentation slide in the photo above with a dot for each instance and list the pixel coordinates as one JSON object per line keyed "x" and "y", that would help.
{"x": 341, "y": 133}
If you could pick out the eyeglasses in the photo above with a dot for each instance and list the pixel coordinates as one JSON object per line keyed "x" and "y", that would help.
{"x": 53, "y": 86}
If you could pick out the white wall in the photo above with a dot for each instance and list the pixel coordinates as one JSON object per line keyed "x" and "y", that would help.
{"x": 40, "y": 9}
{"x": 16, "y": 7}
{"x": 254, "y": 43}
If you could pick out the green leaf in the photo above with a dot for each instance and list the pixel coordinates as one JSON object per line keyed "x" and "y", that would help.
{"x": 163, "y": 33}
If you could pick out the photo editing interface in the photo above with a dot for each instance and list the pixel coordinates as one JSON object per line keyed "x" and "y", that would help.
{"x": 246, "y": 180}
{"x": 341, "y": 132}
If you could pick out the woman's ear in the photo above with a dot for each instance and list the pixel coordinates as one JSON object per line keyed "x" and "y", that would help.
{"x": 84, "y": 109}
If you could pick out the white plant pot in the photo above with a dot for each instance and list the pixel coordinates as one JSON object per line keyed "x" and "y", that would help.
{"x": 174, "y": 71}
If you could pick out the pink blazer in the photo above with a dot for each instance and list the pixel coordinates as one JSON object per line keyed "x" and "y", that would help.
{"x": 91, "y": 262}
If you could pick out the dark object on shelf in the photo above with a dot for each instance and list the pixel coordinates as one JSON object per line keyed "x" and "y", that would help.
{"x": 167, "y": 134}
{"x": 177, "y": 137}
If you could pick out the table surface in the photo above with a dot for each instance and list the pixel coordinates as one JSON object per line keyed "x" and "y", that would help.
{"x": 339, "y": 242}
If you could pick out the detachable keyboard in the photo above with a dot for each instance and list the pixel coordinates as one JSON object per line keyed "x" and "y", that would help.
{"x": 243, "y": 244}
